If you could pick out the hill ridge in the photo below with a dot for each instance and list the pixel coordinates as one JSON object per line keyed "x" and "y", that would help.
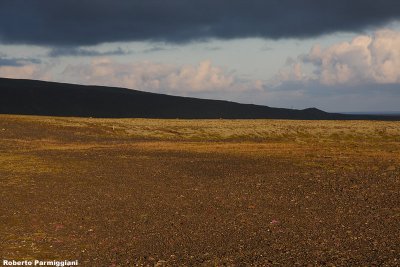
{"x": 33, "y": 97}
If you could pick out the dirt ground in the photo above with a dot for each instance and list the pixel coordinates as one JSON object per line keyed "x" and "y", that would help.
{"x": 135, "y": 192}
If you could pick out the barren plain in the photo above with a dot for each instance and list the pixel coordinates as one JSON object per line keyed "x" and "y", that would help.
{"x": 147, "y": 192}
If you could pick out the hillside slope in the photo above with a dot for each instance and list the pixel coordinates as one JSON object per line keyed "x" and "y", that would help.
{"x": 29, "y": 97}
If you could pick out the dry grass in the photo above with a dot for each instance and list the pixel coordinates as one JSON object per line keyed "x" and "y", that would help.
{"x": 220, "y": 130}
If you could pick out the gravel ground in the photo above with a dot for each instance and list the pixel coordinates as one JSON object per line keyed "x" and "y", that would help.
{"x": 72, "y": 191}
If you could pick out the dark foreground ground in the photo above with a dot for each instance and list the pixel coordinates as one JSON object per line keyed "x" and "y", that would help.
{"x": 200, "y": 193}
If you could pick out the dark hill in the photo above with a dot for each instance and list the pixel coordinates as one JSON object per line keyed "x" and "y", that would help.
{"x": 30, "y": 97}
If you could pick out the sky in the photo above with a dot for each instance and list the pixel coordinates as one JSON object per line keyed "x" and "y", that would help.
{"x": 336, "y": 55}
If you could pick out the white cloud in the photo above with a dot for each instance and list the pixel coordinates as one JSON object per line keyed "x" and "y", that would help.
{"x": 29, "y": 71}
{"x": 158, "y": 77}
{"x": 366, "y": 59}
{"x": 293, "y": 72}
{"x": 385, "y": 52}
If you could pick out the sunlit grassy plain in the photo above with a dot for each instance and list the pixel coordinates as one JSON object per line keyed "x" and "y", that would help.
{"x": 112, "y": 192}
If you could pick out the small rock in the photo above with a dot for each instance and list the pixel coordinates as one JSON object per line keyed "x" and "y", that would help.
{"x": 160, "y": 263}
{"x": 391, "y": 168}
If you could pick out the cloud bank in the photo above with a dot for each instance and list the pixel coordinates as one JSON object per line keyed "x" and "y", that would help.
{"x": 90, "y": 22}
{"x": 159, "y": 77}
{"x": 82, "y": 52}
{"x": 364, "y": 60}
{"x": 17, "y": 62}
{"x": 27, "y": 71}
{"x": 23, "y": 68}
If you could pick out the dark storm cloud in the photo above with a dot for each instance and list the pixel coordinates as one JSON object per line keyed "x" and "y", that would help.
{"x": 73, "y": 51}
{"x": 90, "y": 22}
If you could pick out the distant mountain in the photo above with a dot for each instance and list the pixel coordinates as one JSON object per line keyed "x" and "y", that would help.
{"x": 29, "y": 97}
{"x": 386, "y": 113}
